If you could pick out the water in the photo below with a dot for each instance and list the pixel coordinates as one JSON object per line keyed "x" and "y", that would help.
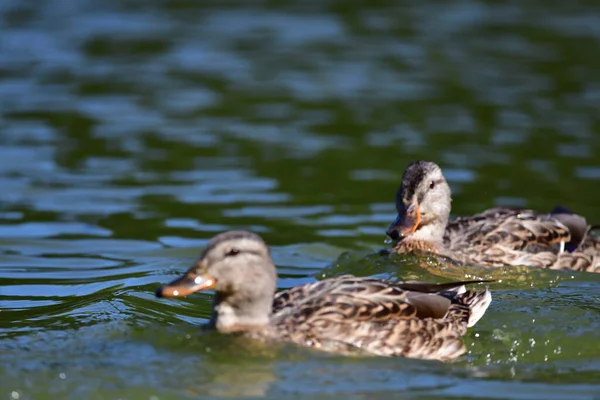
{"x": 133, "y": 131}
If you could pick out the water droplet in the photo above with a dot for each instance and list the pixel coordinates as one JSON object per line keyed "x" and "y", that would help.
{"x": 62, "y": 375}
{"x": 388, "y": 240}
{"x": 477, "y": 335}
{"x": 15, "y": 395}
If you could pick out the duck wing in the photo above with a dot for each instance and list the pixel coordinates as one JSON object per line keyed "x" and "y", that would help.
{"x": 523, "y": 231}
{"x": 412, "y": 319}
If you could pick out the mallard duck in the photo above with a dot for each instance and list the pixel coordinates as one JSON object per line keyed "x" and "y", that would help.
{"x": 343, "y": 314}
{"x": 496, "y": 237}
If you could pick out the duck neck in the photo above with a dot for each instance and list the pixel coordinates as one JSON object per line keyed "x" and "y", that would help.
{"x": 428, "y": 238}
{"x": 234, "y": 316}
{"x": 433, "y": 232}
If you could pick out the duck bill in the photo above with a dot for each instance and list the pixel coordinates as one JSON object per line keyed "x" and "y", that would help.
{"x": 406, "y": 222}
{"x": 186, "y": 284}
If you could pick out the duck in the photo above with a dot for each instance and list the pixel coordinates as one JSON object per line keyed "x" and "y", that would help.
{"x": 497, "y": 237}
{"x": 344, "y": 314}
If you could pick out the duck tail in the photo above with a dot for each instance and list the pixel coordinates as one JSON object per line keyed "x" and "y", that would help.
{"x": 477, "y": 302}
{"x": 452, "y": 293}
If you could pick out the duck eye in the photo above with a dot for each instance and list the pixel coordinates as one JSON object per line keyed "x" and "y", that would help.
{"x": 432, "y": 185}
{"x": 234, "y": 251}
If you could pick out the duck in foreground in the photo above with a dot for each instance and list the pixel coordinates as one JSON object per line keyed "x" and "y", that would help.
{"x": 496, "y": 237}
{"x": 343, "y": 314}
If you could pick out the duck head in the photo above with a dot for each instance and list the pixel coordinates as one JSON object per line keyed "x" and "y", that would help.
{"x": 237, "y": 265}
{"x": 423, "y": 202}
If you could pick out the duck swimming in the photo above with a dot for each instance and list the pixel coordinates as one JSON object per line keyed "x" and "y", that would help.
{"x": 340, "y": 314}
{"x": 500, "y": 236}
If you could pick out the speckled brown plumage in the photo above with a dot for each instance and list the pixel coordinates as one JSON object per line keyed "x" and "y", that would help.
{"x": 417, "y": 246}
{"x": 496, "y": 237}
{"x": 416, "y": 320}
{"x": 344, "y": 314}
{"x": 520, "y": 237}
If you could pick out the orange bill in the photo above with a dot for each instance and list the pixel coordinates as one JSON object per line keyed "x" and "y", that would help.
{"x": 186, "y": 284}
{"x": 406, "y": 222}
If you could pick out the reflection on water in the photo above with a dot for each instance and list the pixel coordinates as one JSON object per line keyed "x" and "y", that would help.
{"x": 131, "y": 132}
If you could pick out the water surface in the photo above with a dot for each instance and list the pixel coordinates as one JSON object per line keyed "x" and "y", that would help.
{"x": 131, "y": 132}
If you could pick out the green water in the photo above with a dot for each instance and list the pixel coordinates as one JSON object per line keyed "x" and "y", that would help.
{"x": 133, "y": 131}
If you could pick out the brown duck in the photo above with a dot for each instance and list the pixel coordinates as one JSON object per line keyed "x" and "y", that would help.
{"x": 343, "y": 314}
{"x": 496, "y": 237}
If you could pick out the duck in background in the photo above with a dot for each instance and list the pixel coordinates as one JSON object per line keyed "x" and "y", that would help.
{"x": 497, "y": 237}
